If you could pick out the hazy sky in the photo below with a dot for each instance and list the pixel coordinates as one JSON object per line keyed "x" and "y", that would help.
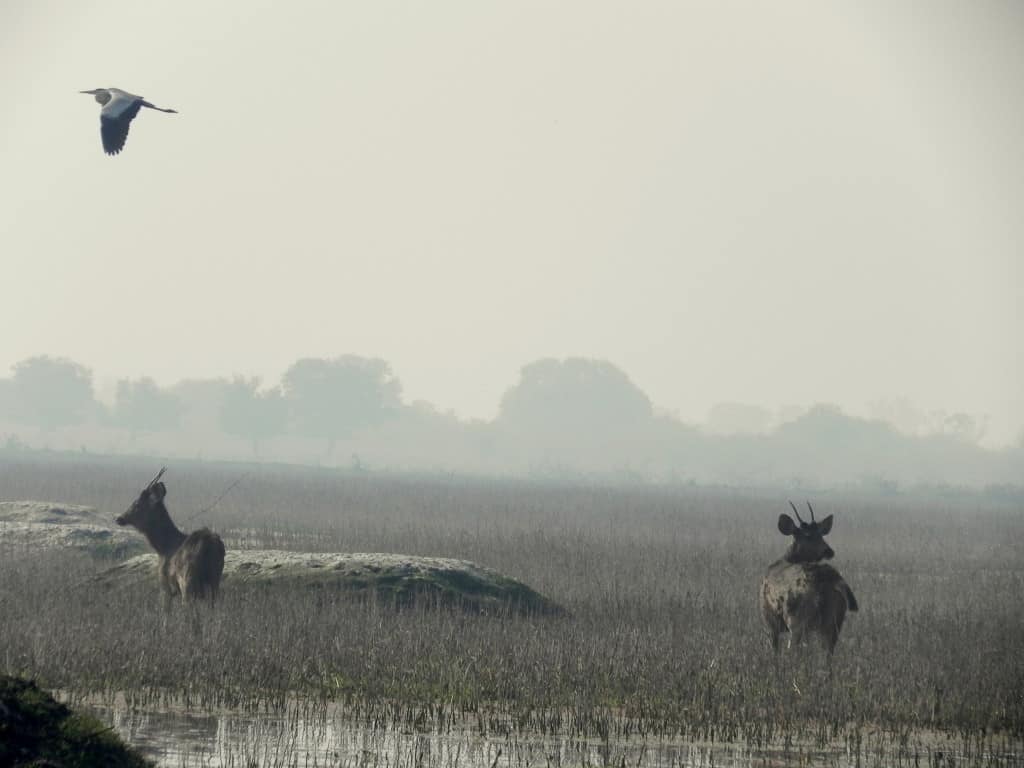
{"x": 773, "y": 203}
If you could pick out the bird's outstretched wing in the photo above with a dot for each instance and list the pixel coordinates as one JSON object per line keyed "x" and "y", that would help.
{"x": 114, "y": 130}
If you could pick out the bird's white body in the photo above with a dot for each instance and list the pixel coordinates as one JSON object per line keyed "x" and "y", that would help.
{"x": 120, "y": 102}
{"x": 119, "y": 109}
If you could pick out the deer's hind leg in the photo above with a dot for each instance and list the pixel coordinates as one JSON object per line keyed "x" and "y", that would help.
{"x": 774, "y": 620}
{"x": 832, "y": 616}
{"x": 168, "y": 590}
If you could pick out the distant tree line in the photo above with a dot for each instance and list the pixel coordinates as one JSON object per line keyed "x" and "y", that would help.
{"x": 561, "y": 417}
{"x": 327, "y": 399}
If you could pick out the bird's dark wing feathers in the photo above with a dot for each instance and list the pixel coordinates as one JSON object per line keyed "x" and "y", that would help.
{"x": 114, "y": 131}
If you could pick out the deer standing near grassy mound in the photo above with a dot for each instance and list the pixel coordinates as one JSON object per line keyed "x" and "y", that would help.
{"x": 190, "y": 565}
{"x": 799, "y": 593}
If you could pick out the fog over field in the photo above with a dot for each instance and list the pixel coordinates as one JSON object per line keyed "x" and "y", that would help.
{"x": 736, "y": 241}
{"x": 568, "y": 419}
{"x": 431, "y": 383}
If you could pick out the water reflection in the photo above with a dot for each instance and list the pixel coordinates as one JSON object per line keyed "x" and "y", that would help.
{"x": 322, "y": 736}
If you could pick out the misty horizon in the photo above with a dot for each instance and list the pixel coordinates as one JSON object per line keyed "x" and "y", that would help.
{"x": 723, "y": 418}
{"x": 561, "y": 419}
{"x": 735, "y": 203}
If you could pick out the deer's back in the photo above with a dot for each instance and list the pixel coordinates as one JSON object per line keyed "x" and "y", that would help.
{"x": 195, "y": 568}
{"x": 802, "y": 592}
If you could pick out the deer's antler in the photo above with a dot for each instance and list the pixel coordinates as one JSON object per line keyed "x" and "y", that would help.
{"x": 796, "y": 513}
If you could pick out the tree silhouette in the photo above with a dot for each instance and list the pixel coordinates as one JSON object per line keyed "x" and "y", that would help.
{"x": 201, "y": 402}
{"x": 334, "y": 398}
{"x": 825, "y": 426}
{"x": 738, "y": 418}
{"x": 574, "y": 396}
{"x": 7, "y": 409}
{"x": 253, "y": 415}
{"x": 965, "y": 427}
{"x": 51, "y": 392}
{"x": 142, "y": 406}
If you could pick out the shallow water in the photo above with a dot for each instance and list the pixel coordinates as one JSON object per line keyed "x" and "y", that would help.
{"x": 323, "y": 736}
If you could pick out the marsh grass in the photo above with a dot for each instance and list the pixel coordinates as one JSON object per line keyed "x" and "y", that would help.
{"x": 318, "y": 734}
{"x": 662, "y": 637}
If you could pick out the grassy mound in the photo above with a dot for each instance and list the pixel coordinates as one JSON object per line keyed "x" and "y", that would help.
{"x": 393, "y": 578}
{"x": 39, "y": 525}
{"x": 36, "y": 730}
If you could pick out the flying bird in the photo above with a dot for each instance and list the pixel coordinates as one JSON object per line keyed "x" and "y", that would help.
{"x": 119, "y": 109}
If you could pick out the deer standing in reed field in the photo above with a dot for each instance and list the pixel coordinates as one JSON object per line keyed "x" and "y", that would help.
{"x": 799, "y": 593}
{"x": 190, "y": 565}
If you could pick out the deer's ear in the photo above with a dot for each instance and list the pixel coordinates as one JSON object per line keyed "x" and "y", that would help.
{"x": 786, "y": 525}
{"x": 825, "y": 525}
{"x": 160, "y": 490}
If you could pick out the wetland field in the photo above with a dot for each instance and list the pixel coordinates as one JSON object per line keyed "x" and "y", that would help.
{"x": 658, "y": 658}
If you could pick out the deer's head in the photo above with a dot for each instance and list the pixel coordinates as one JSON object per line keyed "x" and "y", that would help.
{"x": 148, "y": 508}
{"x": 809, "y": 543}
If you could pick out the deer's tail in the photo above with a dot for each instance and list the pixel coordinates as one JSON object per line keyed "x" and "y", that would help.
{"x": 211, "y": 558}
{"x": 851, "y": 601}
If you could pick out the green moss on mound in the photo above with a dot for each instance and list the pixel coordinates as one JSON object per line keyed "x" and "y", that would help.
{"x": 37, "y": 731}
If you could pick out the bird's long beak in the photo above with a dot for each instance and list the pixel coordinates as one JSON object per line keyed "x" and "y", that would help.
{"x": 91, "y": 93}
